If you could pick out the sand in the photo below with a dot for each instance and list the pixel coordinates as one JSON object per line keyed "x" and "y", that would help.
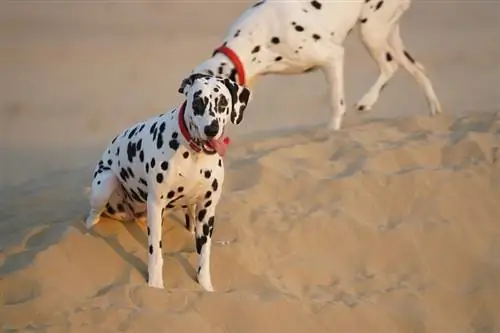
{"x": 390, "y": 225}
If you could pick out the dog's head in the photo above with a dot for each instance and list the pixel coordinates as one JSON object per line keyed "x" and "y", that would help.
{"x": 210, "y": 103}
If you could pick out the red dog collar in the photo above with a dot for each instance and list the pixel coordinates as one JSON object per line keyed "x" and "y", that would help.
{"x": 240, "y": 70}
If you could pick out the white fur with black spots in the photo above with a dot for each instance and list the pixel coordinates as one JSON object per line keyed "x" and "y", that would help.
{"x": 171, "y": 161}
{"x": 292, "y": 37}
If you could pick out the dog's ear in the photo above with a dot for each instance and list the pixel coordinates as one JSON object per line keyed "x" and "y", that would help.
{"x": 240, "y": 95}
{"x": 188, "y": 82}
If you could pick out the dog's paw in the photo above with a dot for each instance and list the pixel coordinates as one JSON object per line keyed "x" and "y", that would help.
{"x": 156, "y": 283}
{"x": 205, "y": 282}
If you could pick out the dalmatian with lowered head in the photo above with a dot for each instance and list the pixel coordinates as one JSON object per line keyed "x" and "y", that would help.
{"x": 171, "y": 161}
{"x": 292, "y": 37}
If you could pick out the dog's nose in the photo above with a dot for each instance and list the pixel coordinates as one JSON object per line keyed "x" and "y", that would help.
{"x": 212, "y": 129}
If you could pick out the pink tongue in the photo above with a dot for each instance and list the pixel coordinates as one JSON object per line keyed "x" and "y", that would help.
{"x": 220, "y": 145}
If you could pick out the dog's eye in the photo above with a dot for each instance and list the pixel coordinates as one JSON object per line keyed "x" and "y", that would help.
{"x": 221, "y": 106}
{"x": 198, "y": 105}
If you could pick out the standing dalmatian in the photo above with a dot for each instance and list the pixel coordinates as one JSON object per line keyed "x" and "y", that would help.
{"x": 292, "y": 37}
{"x": 171, "y": 161}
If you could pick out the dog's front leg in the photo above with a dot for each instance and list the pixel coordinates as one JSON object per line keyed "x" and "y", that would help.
{"x": 155, "y": 258}
{"x": 205, "y": 220}
{"x": 334, "y": 75}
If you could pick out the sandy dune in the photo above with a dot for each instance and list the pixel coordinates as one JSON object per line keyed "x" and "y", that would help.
{"x": 391, "y": 225}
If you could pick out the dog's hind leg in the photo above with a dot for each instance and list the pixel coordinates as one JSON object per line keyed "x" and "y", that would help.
{"x": 415, "y": 69}
{"x": 103, "y": 186}
{"x": 381, "y": 37}
{"x": 334, "y": 75}
{"x": 375, "y": 28}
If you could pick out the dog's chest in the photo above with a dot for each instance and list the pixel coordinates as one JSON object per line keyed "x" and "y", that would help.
{"x": 194, "y": 174}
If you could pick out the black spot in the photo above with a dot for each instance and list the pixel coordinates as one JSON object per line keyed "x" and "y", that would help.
{"x": 152, "y": 128}
{"x": 187, "y": 218}
{"x": 159, "y": 142}
{"x": 316, "y": 4}
{"x": 174, "y": 144}
{"x": 120, "y": 207}
{"x": 206, "y": 230}
{"x": 132, "y": 132}
{"x": 215, "y": 185}
{"x": 275, "y": 40}
{"x": 136, "y": 196}
{"x": 113, "y": 141}
{"x": 208, "y": 173}
{"x": 164, "y": 165}
{"x": 117, "y": 151}
{"x": 143, "y": 194}
{"x": 299, "y": 28}
{"x": 208, "y": 194}
{"x": 175, "y": 135}
{"x": 363, "y": 20}
{"x": 149, "y": 231}
{"x": 141, "y": 156}
{"x": 159, "y": 178}
{"x": 185, "y": 154}
{"x": 211, "y": 221}
{"x": 124, "y": 174}
{"x": 341, "y": 102}
{"x": 220, "y": 162}
{"x": 131, "y": 173}
{"x": 379, "y": 4}
{"x": 201, "y": 214}
{"x": 110, "y": 162}
{"x": 110, "y": 209}
{"x": 150, "y": 249}
{"x": 316, "y": 37}
{"x": 409, "y": 57}
{"x": 237, "y": 33}
{"x": 199, "y": 104}
{"x": 98, "y": 182}
{"x": 258, "y": 3}
{"x": 208, "y": 203}
{"x": 170, "y": 194}
{"x": 131, "y": 151}
{"x": 147, "y": 167}
{"x": 160, "y": 244}
{"x": 388, "y": 56}
{"x": 278, "y": 58}
{"x": 180, "y": 189}
{"x": 153, "y": 162}
{"x": 200, "y": 242}
{"x": 256, "y": 49}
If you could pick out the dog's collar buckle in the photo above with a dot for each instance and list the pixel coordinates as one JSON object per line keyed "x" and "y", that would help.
{"x": 234, "y": 59}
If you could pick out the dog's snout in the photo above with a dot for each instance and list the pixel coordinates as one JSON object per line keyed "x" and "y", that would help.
{"x": 212, "y": 129}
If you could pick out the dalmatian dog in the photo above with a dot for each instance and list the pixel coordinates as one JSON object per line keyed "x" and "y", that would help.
{"x": 292, "y": 37}
{"x": 171, "y": 161}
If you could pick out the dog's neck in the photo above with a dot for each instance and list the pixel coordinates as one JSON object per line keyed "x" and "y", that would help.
{"x": 221, "y": 65}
